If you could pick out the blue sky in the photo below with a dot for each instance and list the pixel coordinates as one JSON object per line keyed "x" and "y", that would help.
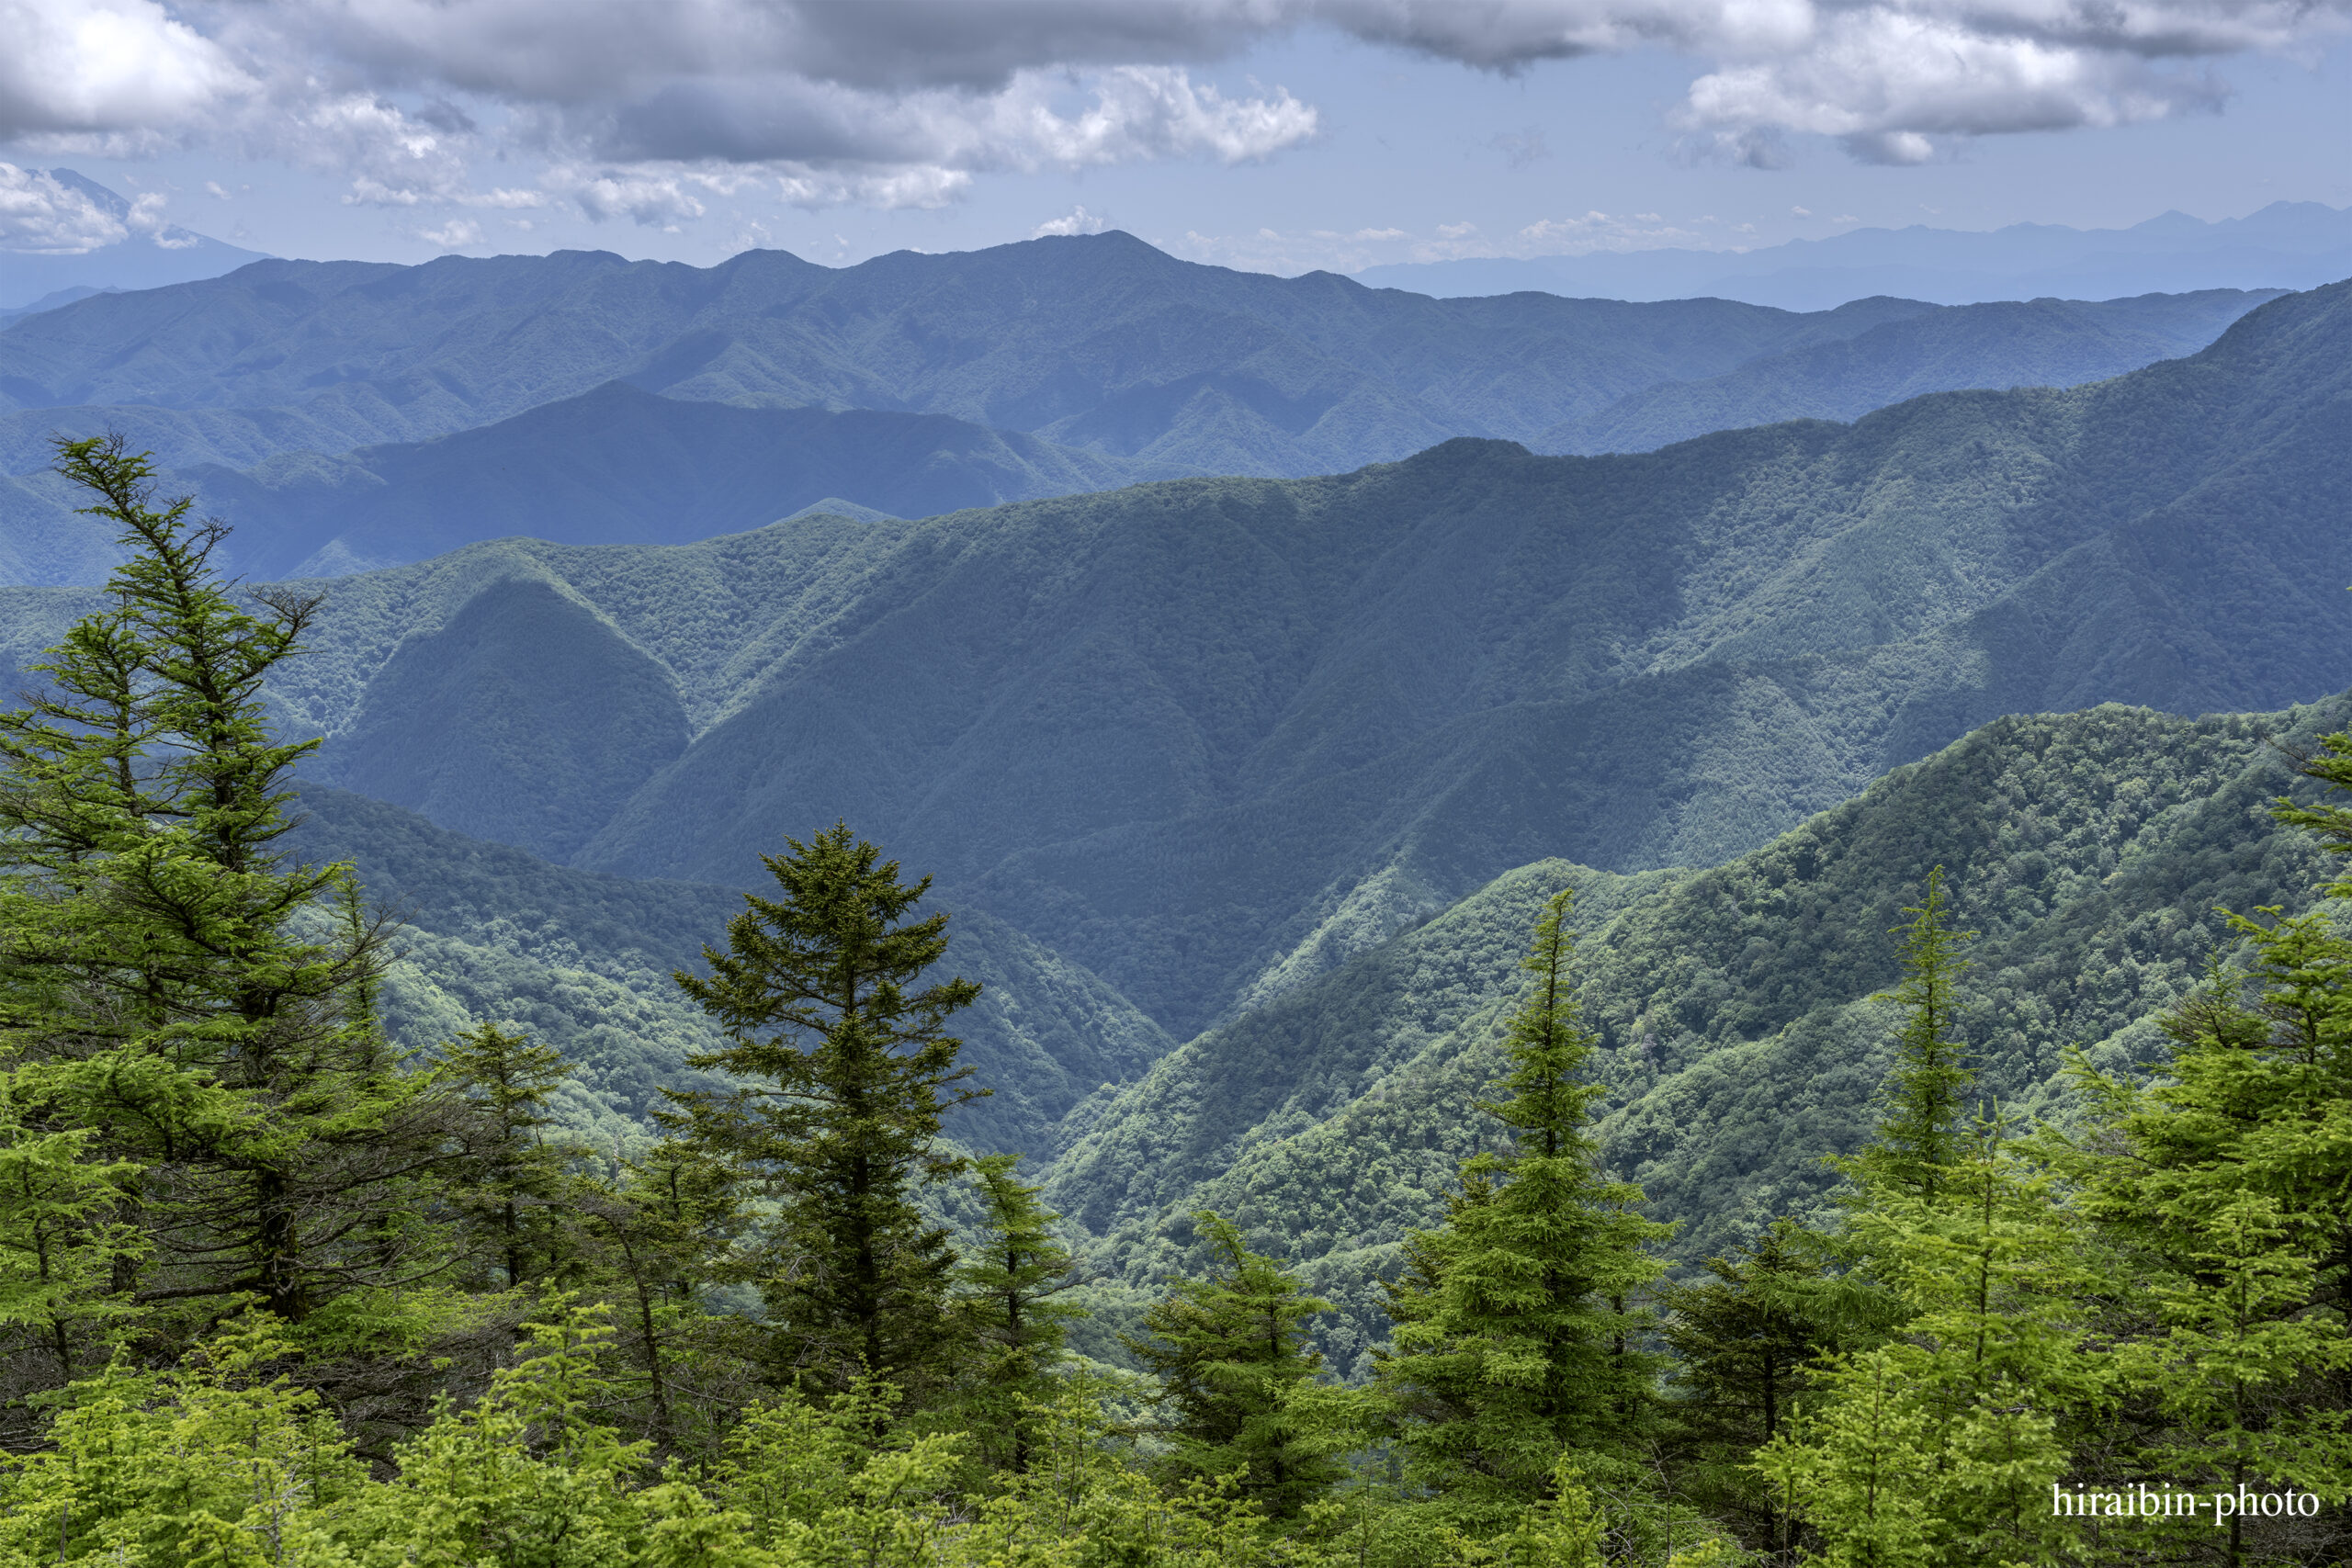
{"x": 1260, "y": 133}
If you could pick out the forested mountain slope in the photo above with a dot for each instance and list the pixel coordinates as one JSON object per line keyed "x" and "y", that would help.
{"x": 493, "y": 934}
{"x": 1206, "y": 738}
{"x": 1734, "y": 1006}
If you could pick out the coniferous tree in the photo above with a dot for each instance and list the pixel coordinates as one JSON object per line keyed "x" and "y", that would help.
{"x": 1922, "y": 1113}
{"x": 513, "y": 1180}
{"x": 845, "y": 1074}
{"x": 1516, "y": 1336}
{"x": 159, "y": 989}
{"x": 1011, "y": 1289}
{"x": 1230, "y": 1350}
{"x": 1744, "y": 1339}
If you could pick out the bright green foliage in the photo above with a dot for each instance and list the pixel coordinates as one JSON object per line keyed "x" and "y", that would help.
{"x": 221, "y": 1461}
{"x": 846, "y": 1074}
{"x": 1229, "y": 1349}
{"x": 62, "y": 1239}
{"x": 161, "y": 990}
{"x": 2227, "y": 1183}
{"x": 513, "y": 1178}
{"x": 1919, "y": 1128}
{"x": 1518, "y": 1338}
{"x": 1011, "y": 1286}
{"x": 1942, "y": 1445}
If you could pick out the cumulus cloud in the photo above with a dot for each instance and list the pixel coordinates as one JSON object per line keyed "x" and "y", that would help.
{"x": 1078, "y": 222}
{"x": 57, "y": 212}
{"x": 631, "y": 108}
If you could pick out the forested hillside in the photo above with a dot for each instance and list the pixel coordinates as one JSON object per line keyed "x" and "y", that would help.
{"x": 372, "y": 1193}
{"x": 1208, "y": 738}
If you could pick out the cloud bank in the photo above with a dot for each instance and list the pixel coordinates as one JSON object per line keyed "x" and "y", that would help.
{"x": 641, "y": 112}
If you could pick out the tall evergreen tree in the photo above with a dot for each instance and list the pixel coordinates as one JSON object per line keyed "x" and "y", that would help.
{"x": 845, "y": 1073}
{"x": 513, "y": 1178}
{"x": 1744, "y": 1339}
{"x": 159, "y": 989}
{"x": 1012, "y": 1286}
{"x": 1230, "y": 1350}
{"x": 1922, "y": 1114}
{"x": 1520, "y": 1336}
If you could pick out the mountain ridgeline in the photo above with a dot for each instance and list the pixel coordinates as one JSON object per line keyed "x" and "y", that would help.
{"x": 352, "y": 414}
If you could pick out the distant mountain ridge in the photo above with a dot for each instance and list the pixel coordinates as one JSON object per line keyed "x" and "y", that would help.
{"x": 419, "y": 409}
{"x": 2287, "y": 244}
{"x": 144, "y": 259}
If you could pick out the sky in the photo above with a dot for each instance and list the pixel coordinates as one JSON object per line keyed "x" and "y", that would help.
{"x": 1281, "y": 135}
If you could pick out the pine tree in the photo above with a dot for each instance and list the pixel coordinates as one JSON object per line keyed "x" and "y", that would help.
{"x": 1922, "y": 1114}
{"x": 846, "y": 1074}
{"x": 1011, "y": 1289}
{"x": 1518, "y": 1339}
{"x": 513, "y": 1178}
{"x": 1230, "y": 1350}
{"x": 159, "y": 989}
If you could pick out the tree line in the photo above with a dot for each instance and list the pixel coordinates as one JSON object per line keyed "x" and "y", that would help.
{"x": 275, "y": 1292}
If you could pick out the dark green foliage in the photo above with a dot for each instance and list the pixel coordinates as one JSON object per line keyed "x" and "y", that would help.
{"x": 1013, "y": 1289}
{"x": 513, "y": 1178}
{"x": 1742, "y": 1337}
{"x": 845, "y": 1074}
{"x": 1229, "y": 1349}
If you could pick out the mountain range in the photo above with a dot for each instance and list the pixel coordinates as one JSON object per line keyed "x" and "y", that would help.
{"x": 2287, "y": 244}
{"x": 348, "y": 414}
{"x": 1206, "y": 739}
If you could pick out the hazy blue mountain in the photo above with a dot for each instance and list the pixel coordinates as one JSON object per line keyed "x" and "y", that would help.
{"x": 613, "y": 465}
{"x": 150, "y": 260}
{"x": 1209, "y": 738}
{"x": 2287, "y": 244}
{"x": 1098, "y": 342}
{"x": 51, "y": 301}
{"x": 2044, "y": 342}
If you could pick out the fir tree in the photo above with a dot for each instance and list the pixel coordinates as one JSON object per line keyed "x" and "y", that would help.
{"x": 1743, "y": 1341}
{"x": 1922, "y": 1114}
{"x": 1518, "y": 1338}
{"x": 845, "y": 1074}
{"x": 513, "y": 1178}
{"x": 159, "y": 989}
{"x": 1012, "y": 1286}
{"x": 1231, "y": 1351}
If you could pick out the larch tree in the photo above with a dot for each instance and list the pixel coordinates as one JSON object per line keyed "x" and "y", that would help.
{"x": 1013, "y": 1289}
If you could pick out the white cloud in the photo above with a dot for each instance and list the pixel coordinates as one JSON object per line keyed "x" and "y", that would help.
{"x": 119, "y": 69}
{"x": 906, "y": 104}
{"x": 455, "y": 235}
{"x": 1078, "y": 222}
{"x": 47, "y": 215}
